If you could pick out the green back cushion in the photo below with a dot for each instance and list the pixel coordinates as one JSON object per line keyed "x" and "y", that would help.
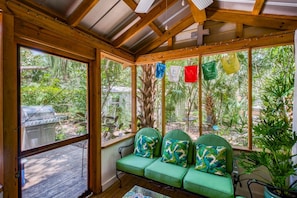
{"x": 176, "y": 152}
{"x": 215, "y": 140}
{"x": 211, "y": 159}
{"x": 145, "y": 146}
{"x": 178, "y": 134}
{"x": 150, "y": 132}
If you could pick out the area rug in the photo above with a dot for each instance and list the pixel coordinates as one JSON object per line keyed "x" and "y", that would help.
{"x": 140, "y": 192}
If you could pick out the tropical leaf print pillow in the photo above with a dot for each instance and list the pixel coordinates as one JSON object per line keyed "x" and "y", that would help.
{"x": 211, "y": 159}
{"x": 176, "y": 152}
{"x": 145, "y": 146}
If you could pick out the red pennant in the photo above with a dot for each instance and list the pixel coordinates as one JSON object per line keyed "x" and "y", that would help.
{"x": 191, "y": 73}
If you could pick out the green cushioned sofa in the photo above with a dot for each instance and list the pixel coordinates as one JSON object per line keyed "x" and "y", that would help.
{"x": 169, "y": 173}
{"x": 180, "y": 172}
{"x": 134, "y": 164}
{"x": 207, "y": 184}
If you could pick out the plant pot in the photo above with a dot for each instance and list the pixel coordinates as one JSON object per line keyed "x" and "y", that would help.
{"x": 268, "y": 193}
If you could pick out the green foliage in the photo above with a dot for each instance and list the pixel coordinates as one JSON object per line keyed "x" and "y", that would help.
{"x": 180, "y": 91}
{"x": 61, "y": 84}
{"x": 60, "y": 136}
{"x": 228, "y": 93}
{"x": 273, "y": 134}
{"x": 113, "y": 74}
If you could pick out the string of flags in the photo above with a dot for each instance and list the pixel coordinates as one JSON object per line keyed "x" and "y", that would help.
{"x": 230, "y": 64}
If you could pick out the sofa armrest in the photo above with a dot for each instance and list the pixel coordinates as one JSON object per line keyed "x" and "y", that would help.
{"x": 124, "y": 147}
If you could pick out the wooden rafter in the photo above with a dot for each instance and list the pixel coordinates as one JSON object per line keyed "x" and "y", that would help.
{"x": 183, "y": 24}
{"x": 29, "y": 15}
{"x": 152, "y": 15}
{"x": 43, "y": 9}
{"x": 154, "y": 27}
{"x": 246, "y": 18}
{"x": 259, "y": 4}
{"x": 280, "y": 38}
{"x": 199, "y": 15}
{"x": 81, "y": 11}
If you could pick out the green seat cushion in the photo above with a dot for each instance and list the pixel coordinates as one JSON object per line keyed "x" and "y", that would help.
{"x": 134, "y": 164}
{"x": 211, "y": 159}
{"x": 209, "y": 185}
{"x": 176, "y": 152}
{"x": 166, "y": 173}
{"x": 145, "y": 146}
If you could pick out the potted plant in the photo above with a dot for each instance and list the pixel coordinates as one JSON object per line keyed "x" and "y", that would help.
{"x": 274, "y": 137}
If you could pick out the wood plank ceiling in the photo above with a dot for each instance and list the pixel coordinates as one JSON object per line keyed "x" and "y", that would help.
{"x": 175, "y": 23}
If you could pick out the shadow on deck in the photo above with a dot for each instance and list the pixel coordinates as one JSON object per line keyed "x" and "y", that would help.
{"x": 58, "y": 173}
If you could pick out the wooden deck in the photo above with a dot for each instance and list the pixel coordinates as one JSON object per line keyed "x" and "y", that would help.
{"x": 57, "y": 173}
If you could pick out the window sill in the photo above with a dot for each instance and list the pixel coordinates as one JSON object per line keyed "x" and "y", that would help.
{"x": 116, "y": 140}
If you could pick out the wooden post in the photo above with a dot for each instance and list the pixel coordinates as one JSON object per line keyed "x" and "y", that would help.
{"x": 9, "y": 87}
{"x": 200, "y": 94}
{"x": 1, "y": 101}
{"x": 250, "y": 100}
{"x": 95, "y": 124}
{"x": 134, "y": 98}
{"x": 163, "y": 104}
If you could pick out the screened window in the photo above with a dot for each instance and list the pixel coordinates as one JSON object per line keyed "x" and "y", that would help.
{"x": 115, "y": 99}
{"x": 53, "y": 98}
{"x": 181, "y": 96}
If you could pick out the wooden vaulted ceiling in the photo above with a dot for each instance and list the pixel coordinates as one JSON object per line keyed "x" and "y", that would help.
{"x": 115, "y": 22}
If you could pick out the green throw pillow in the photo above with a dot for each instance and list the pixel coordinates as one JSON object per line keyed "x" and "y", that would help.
{"x": 145, "y": 146}
{"x": 176, "y": 152}
{"x": 211, "y": 159}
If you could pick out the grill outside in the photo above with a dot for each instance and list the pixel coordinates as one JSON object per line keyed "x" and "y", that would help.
{"x": 38, "y": 126}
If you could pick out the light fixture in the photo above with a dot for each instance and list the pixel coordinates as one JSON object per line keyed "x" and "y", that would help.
{"x": 143, "y": 6}
{"x": 183, "y": 3}
{"x": 202, "y": 4}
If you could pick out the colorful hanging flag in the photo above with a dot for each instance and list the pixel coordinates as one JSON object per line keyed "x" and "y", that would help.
{"x": 230, "y": 63}
{"x": 160, "y": 70}
{"x": 173, "y": 75}
{"x": 191, "y": 73}
{"x": 209, "y": 70}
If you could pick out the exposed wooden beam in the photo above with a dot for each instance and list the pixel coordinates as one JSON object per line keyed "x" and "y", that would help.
{"x": 45, "y": 10}
{"x": 154, "y": 27}
{"x": 280, "y": 38}
{"x": 30, "y": 15}
{"x": 246, "y": 18}
{"x": 183, "y": 24}
{"x": 81, "y": 11}
{"x": 239, "y": 30}
{"x": 199, "y": 15}
{"x": 258, "y": 6}
{"x": 152, "y": 15}
{"x": 170, "y": 43}
{"x": 29, "y": 32}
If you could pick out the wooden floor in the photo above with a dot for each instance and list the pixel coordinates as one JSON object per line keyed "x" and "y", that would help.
{"x": 60, "y": 173}
{"x": 128, "y": 181}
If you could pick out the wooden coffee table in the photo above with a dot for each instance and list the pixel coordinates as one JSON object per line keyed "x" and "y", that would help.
{"x": 140, "y": 192}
